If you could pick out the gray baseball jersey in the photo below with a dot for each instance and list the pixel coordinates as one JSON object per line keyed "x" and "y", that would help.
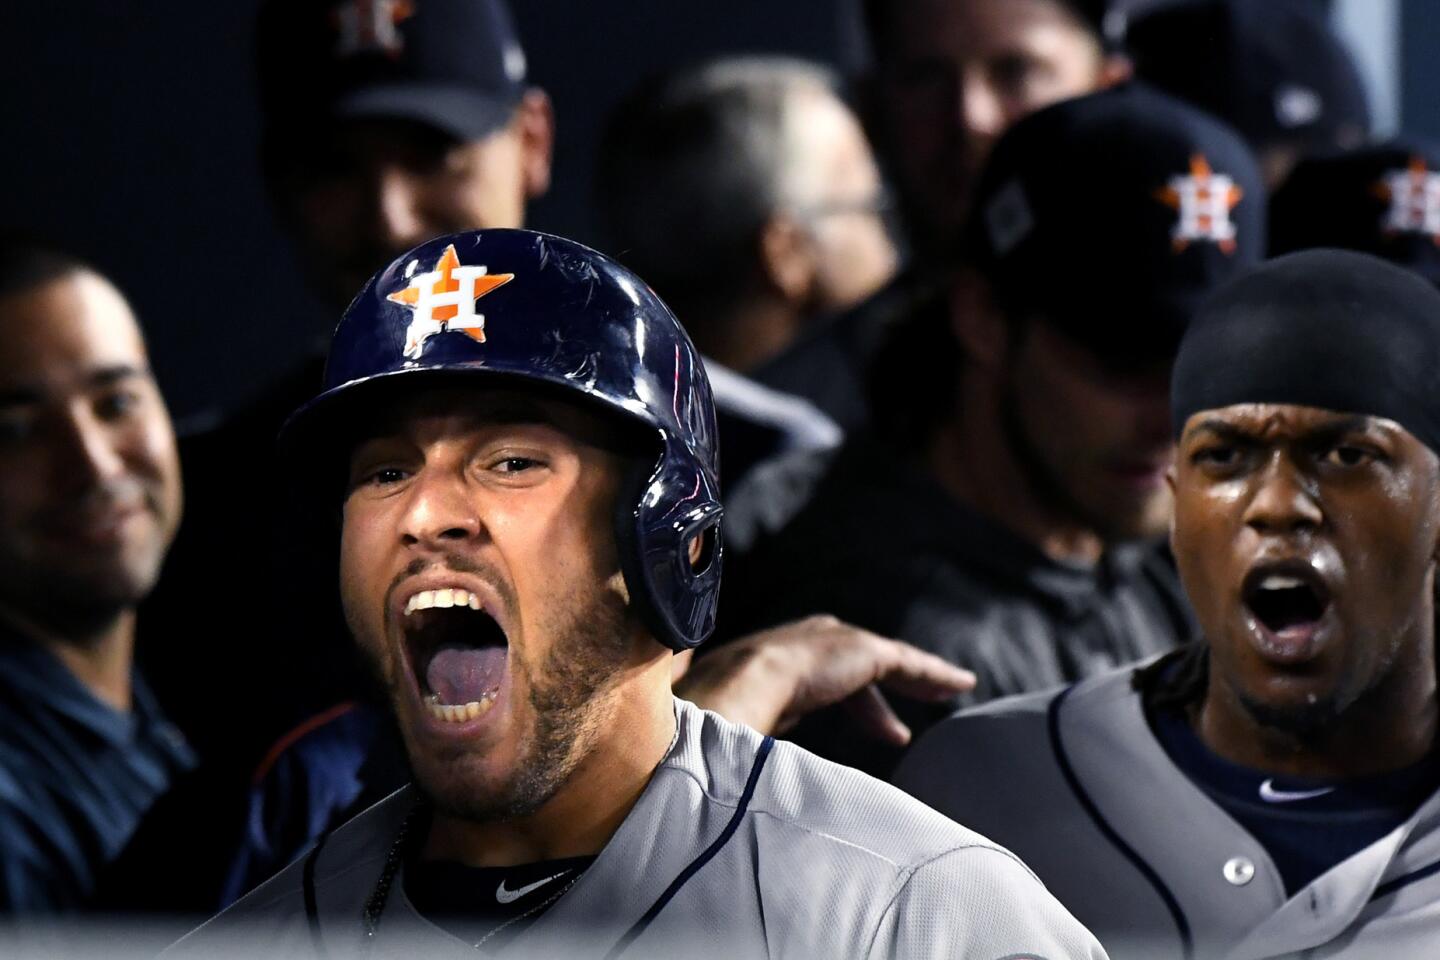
{"x": 738, "y": 847}
{"x": 1076, "y": 783}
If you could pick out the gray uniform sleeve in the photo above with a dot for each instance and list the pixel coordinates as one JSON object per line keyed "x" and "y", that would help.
{"x": 979, "y": 903}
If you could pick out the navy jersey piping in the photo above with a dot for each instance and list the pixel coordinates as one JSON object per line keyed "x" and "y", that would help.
{"x": 1052, "y": 722}
{"x": 684, "y": 876}
{"x": 312, "y": 907}
{"x": 1385, "y": 889}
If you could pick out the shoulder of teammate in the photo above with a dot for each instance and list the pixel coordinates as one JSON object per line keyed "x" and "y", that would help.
{"x": 978, "y": 757}
{"x": 273, "y": 919}
{"x": 979, "y": 901}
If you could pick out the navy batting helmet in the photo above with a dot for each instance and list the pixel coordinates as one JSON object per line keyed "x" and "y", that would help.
{"x": 529, "y": 307}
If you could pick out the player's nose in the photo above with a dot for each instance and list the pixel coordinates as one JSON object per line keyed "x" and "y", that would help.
{"x": 1281, "y": 501}
{"x": 438, "y": 511}
{"x": 396, "y": 221}
{"x": 981, "y": 110}
{"x": 84, "y": 451}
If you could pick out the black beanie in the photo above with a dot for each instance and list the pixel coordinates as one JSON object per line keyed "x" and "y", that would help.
{"x": 1332, "y": 329}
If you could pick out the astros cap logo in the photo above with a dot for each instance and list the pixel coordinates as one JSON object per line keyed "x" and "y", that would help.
{"x": 444, "y": 299}
{"x": 1204, "y": 200}
{"x": 1414, "y": 196}
{"x": 368, "y": 26}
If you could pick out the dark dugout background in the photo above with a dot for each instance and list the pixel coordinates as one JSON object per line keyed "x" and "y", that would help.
{"x": 129, "y": 135}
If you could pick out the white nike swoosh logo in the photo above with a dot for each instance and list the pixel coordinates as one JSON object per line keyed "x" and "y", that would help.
{"x": 1269, "y": 794}
{"x": 510, "y": 896}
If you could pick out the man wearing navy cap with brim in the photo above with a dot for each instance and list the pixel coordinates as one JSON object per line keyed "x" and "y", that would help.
{"x": 1272, "y": 790}
{"x": 1007, "y": 517}
{"x": 1275, "y": 70}
{"x": 390, "y": 121}
{"x": 1383, "y": 200}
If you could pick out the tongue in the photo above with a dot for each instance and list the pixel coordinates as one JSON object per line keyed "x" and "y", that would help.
{"x": 461, "y": 674}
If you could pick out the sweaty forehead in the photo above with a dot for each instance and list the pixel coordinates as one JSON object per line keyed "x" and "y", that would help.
{"x": 1279, "y": 422}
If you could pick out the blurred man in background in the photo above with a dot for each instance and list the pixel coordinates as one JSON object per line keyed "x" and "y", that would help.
{"x": 1383, "y": 200}
{"x": 1006, "y": 515}
{"x": 89, "y": 503}
{"x": 764, "y": 172}
{"x": 948, "y": 77}
{"x": 1275, "y": 71}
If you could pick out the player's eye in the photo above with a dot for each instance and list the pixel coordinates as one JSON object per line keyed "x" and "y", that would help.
{"x": 1012, "y": 72}
{"x": 516, "y": 464}
{"x": 385, "y": 475}
{"x": 116, "y": 404}
{"x": 376, "y": 477}
{"x": 1219, "y": 458}
{"x": 1349, "y": 455}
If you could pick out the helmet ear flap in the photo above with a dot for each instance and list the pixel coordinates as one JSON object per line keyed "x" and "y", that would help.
{"x": 674, "y": 597}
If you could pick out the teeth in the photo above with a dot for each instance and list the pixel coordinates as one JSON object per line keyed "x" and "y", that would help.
{"x": 458, "y": 712}
{"x": 1279, "y": 582}
{"x": 442, "y": 598}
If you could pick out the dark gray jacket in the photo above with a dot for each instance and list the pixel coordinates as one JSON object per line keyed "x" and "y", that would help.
{"x": 864, "y": 536}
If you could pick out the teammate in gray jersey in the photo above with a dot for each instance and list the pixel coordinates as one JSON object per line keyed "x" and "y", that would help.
{"x": 523, "y": 440}
{"x": 1274, "y": 791}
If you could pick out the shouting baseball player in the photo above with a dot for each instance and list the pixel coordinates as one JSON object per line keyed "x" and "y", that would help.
{"x": 1272, "y": 791}
{"x": 522, "y": 440}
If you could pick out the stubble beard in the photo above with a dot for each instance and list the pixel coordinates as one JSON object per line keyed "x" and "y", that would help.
{"x": 1306, "y": 723}
{"x": 569, "y": 699}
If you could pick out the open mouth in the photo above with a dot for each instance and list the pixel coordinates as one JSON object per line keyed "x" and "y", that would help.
{"x": 1287, "y": 600}
{"x": 457, "y": 652}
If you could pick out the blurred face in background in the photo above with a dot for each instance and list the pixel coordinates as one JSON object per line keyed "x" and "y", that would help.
{"x": 364, "y": 191}
{"x": 845, "y": 217}
{"x": 89, "y": 476}
{"x": 1094, "y": 437}
{"x": 953, "y": 75}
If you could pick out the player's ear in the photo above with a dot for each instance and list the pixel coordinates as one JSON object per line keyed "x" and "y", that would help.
{"x": 1435, "y": 513}
{"x": 787, "y": 258}
{"x": 535, "y": 120}
{"x": 1115, "y": 70}
{"x": 1170, "y": 482}
{"x": 976, "y": 320}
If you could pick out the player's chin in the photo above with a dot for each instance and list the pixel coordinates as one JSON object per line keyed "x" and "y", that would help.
{"x": 1298, "y": 705}
{"x": 471, "y": 783}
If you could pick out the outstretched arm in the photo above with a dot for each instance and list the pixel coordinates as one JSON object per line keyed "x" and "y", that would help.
{"x": 771, "y": 679}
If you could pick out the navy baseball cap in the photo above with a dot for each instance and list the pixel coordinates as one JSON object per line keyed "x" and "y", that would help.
{"x": 1273, "y": 69}
{"x": 1112, "y": 216}
{"x": 455, "y": 65}
{"x": 1382, "y": 200}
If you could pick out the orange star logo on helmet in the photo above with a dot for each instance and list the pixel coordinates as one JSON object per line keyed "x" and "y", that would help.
{"x": 1204, "y": 199}
{"x": 1414, "y": 198}
{"x": 370, "y": 26}
{"x": 444, "y": 300}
